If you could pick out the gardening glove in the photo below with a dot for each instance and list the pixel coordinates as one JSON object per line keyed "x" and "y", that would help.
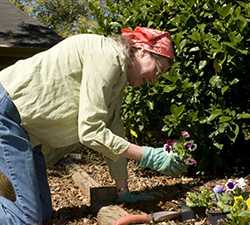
{"x": 158, "y": 159}
{"x": 132, "y": 198}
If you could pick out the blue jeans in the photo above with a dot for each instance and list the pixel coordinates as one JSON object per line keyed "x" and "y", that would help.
{"x": 25, "y": 167}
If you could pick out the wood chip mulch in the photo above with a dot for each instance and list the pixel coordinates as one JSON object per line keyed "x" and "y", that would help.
{"x": 71, "y": 207}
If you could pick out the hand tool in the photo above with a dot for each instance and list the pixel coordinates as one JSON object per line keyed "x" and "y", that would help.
{"x": 184, "y": 213}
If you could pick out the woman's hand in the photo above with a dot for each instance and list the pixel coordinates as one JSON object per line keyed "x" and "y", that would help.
{"x": 158, "y": 159}
{"x": 168, "y": 163}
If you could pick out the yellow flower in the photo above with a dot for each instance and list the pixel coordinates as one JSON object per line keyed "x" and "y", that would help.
{"x": 248, "y": 203}
{"x": 238, "y": 199}
{"x": 239, "y": 202}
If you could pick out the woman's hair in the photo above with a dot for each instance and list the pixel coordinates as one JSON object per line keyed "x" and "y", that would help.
{"x": 129, "y": 51}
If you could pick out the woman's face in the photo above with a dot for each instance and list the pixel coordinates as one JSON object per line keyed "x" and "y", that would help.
{"x": 146, "y": 67}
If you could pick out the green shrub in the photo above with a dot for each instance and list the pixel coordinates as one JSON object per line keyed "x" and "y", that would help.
{"x": 207, "y": 90}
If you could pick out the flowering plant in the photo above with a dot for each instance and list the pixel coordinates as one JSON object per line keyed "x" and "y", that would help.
{"x": 184, "y": 147}
{"x": 230, "y": 198}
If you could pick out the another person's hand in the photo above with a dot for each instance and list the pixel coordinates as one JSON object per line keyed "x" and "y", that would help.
{"x": 158, "y": 159}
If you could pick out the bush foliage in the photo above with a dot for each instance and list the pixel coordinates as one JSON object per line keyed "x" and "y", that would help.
{"x": 207, "y": 90}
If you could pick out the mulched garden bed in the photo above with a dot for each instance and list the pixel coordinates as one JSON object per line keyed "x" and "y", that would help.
{"x": 71, "y": 207}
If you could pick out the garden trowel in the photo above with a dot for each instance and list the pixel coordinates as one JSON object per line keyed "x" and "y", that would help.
{"x": 185, "y": 213}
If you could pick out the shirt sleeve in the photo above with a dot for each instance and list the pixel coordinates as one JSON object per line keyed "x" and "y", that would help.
{"x": 96, "y": 99}
{"x": 118, "y": 168}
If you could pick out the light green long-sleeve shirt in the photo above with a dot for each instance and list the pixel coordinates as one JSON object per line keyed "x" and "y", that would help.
{"x": 72, "y": 93}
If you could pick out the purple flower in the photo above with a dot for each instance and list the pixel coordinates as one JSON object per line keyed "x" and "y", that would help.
{"x": 185, "y": 134}
{"x": 218, "y": 189}
{"x": 190, "y": 161}
{"x": 190, "y": 145}
{"x": 230, "y": 185}
{"x": 169, "y": 145}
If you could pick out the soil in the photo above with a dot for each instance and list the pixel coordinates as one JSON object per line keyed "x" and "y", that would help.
{"x": 71, "y": 207}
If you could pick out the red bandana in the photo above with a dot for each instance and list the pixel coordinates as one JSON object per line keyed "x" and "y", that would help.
{"x": 158, "y": 42}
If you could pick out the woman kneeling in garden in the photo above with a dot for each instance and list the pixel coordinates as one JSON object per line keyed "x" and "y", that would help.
{"x": 68, "y": 94}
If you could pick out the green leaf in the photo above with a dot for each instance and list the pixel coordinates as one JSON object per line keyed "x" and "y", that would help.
{"x": 231, "y": 45}
{"x": 150, "y": 105}
{"x": 177, "y": 110}
{"x": 235, "y": 131}
{"x": 133, "y": 133}
{"x": 178, "y": 38}
{"x": 169, "y": 88}
{"x": 115, "y": 25}
{"x": 225, "y": 10}
{"x": 193, "y": 116}
{"x": 194, "y": 49}
{"x": 235, "y": 37}
{"x": 183, "y": 43}
{"x": 214, "y": 114}
{"x": 245, "y": 214}
{"x": 215, "y": 81}
{"x": 224, "y": 119}
{"x": 244, "y": 115}
{"x": 218, "y": 145}
{"x": 224, "y": 89}
{"x": 195, "y": 36}
{"x": 234, "y": 81}
{"x": 173, "y": 75}
{"x": 202, "y": 64}
{"x": 186, "y": 84}
{"x": 150, "y": 23}
{"x": 215, "y": 44}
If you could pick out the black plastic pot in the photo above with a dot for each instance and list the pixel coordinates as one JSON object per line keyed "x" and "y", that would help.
{"x": 199, "y": 211}
{"x": 214, "y": 217}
